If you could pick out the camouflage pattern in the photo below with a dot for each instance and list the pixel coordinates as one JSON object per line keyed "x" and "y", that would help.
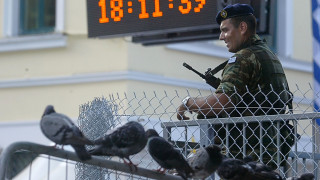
{"x": 255, "y": 70}
{"x": 268, "y": 142}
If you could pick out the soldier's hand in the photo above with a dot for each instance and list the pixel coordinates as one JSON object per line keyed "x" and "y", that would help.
{"x": 181, "y": 112}
{"x": 212, "y": 81}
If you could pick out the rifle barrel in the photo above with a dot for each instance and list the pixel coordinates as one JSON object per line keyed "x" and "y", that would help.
{"x": 190, "y": 68}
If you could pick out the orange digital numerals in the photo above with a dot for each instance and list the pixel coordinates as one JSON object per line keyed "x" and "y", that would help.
{"x": 103, "y": 19}
{"x": 157, "y": 12}
{"x": 117, "y": 9}
{"x": 200, "y": 5}
{"x": 187, "y": 8}
{"x": 143, "y": 13}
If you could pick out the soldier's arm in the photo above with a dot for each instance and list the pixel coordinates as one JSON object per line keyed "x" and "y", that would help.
{"x": 236, "y": 76}
{"x": 212, "y": 105}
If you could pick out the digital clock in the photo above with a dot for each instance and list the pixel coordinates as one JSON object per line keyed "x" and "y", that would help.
{"x": 111, "y": 18}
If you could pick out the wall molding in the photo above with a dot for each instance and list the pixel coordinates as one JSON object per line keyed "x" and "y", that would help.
{"x": 102, "y": 77}
{"x": 115, "y": 76}
{"x": 209, "y": 49}
{"x": 34, "y": 42}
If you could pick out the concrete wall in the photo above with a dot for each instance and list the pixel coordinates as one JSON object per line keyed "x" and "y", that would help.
{"x": 302, "y": 28}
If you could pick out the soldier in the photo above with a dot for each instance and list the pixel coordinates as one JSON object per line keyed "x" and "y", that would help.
{"x": 253, "y": 83}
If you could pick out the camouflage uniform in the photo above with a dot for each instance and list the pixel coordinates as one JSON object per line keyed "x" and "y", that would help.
{"x": 256, "y": 83}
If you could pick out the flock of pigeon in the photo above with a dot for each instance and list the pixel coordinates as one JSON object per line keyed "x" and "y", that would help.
{"x": 131, "y": 138}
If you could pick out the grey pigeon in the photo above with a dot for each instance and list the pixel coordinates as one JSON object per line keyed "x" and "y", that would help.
{"x": 305, "y": 176}
{"x": 125, "y": 141}
{"x": 166, "y": 155}
{"x": 266, "y": 176}
{"x": 61, "y": 130}
{"x": 205, "y": 161}
{"x": 256, "y": 166}
{"x": 234, "y": 169}
{"x": 261, "y": 170}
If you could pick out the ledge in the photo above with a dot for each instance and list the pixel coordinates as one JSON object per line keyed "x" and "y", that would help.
{"x": 103, "y": 77}
{"x": 32, "y": 42}
{"x": 208, "y": 49}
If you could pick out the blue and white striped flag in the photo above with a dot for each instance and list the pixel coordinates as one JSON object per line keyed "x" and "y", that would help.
{"x": 316, "y": 53}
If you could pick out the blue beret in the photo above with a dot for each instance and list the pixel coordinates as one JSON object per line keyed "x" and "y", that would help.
{"x": 234, "y": 10}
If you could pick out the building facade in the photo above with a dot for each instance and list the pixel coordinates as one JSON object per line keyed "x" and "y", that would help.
{"x": 58, "y": 64}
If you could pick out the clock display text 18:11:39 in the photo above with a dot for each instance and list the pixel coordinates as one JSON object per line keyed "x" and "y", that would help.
{"x": 116, "y": 7}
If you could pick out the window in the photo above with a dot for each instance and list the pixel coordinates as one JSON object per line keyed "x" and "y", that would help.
{"x": 32, "y": 24}
{"x": 37, "y": 16}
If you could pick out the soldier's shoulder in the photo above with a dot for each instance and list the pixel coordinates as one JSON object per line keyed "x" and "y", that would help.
{"x": 246, "y": 54}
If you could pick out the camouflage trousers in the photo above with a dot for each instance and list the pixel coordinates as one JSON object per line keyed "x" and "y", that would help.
{"x": 264, "y": 142}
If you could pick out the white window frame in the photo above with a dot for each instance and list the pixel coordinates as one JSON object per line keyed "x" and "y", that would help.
{"x": 284, "y": 33}
{"x": 11, "y": 41}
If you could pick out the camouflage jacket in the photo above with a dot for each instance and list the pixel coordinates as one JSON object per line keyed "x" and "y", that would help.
{"x": 255, "y": 71}
{"x": 251, "y": 74}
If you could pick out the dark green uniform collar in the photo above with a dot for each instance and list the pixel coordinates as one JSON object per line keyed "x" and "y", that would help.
{"x": 253, "y": 40}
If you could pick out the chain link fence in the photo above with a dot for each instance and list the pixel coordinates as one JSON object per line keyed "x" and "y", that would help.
{"x": 287, "y": 142}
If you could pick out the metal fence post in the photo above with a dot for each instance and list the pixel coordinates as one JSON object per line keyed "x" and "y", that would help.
{"x": 204, "y": 133}
{"x": 315, "y": 145}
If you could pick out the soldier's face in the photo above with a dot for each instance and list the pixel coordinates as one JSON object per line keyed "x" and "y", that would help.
{"x": 231, "y": 35}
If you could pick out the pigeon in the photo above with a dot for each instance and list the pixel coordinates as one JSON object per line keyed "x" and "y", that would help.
{"x": 305, "y": 176}
{"x": 256, "y": 166}
{"x": 123, "y": 142}
{"x": 261, "y": 170}
{"x": 205, "y": 161}
{"x": 166, "y": 155}
{"x": 61, "y": 130}
{"x": 234, "y": 169}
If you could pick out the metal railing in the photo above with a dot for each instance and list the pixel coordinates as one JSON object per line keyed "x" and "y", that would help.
{"x": 208, "y": 133}
{"x": 6, "y": 157}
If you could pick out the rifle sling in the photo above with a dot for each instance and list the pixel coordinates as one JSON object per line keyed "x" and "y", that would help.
{"x": 219, "y": 67}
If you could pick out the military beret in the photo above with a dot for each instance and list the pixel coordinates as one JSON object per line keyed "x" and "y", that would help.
{"x": 234, "y": 10}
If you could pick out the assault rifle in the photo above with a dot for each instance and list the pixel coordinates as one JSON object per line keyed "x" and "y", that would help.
{"x": 209, "y": 74}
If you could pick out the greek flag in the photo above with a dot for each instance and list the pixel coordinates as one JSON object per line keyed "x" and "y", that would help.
{"x": 316, "y": 53}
